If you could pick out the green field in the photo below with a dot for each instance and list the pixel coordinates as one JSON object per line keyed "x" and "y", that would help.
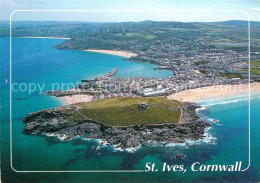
{"x": 255, "y": 71}
{"x": 231, "y": 75}
{"x": 125, "y": 111}
{"x": 255, "y": 63}
{"x": 200, "y": 63}
{"x": 136, "y": 35}
{"x": 203, "y": 71}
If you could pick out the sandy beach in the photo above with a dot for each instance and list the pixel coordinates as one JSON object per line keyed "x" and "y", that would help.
{"x": 114, "y": 52}
{"x": 215, "y": 92}
{"x": 45, "y": 37}
{"x": 67, "y": 100}
{"x": 191, "y": 95}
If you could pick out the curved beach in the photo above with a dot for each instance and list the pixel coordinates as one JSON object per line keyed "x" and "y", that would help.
{"x": 114, "y": 52}
{"x": 191, "y": 95}
{"x": 215, "y": 92}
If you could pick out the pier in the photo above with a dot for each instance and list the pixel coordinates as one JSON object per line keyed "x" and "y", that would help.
{"x": 110, "y": 74}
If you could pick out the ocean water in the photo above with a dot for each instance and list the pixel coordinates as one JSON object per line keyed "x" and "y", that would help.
{"x": 36, "y": 61}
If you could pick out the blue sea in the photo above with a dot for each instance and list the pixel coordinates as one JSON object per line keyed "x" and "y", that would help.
{"x": 37, "y": 61}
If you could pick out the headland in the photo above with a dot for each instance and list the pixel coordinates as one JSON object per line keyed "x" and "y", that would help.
{"x": 123, "y": 122}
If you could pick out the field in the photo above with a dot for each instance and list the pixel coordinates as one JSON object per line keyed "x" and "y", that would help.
{"x": 203, "y": 71}
{"x": 200, "y": 63}
{"x": 126, "y": 111}
{"x": 231, "y": 75}
{"x": 255, "y": 70}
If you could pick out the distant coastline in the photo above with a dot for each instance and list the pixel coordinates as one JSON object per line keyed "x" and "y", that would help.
{"x": 214, "y": 92}
{"x": 44, "y": 37}
{"x": 114, "y": 52}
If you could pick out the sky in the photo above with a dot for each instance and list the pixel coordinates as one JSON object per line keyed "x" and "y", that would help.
{"x": 131, "y": 10}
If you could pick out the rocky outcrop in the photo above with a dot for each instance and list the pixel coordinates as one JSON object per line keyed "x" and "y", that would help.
{"x": 143, "y": 106}
{"x": 59, "y": 123}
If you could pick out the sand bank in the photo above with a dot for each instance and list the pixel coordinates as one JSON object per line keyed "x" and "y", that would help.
{"x": 215, "y": 92}
{"x": 114, "y": 52}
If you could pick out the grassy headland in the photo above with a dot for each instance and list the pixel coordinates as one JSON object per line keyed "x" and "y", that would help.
{"x": 126, "y": 111}
{"x": 256, "y": 64}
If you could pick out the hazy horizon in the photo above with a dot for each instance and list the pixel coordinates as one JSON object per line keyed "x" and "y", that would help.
{"x": 65, "y": 21}
{"x": 128, "y": 11}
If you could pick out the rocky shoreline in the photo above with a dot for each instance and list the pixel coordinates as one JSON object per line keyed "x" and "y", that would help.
{"x": 58, "y": 123}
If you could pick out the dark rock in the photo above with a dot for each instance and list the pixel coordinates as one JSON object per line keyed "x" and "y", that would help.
{"x": 143, "y": 106}
{"x": 58, "y": 123}
{"x": 95, "y": 148}
{"x": 180, "y": 156}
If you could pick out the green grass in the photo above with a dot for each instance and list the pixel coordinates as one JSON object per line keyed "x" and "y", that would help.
{"x": 140, "y": 35}
{"x": 134, "y": 34}
{"x": 232, "y": 75}
{"x": 224, "y": 40}
{"x": 200, "y": 63}
{"x": 203, "y": 71}
{"x": 124, "y": 111}
{"x": 256, "y": 63}
{"x": 150, "y": 36}
{"x": 179, "y": 29}
{"x": 120, "y": 34}
{"x": 255, "y": 71}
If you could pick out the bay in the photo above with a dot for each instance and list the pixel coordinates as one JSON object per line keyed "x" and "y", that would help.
{"x": 36, "y": 61}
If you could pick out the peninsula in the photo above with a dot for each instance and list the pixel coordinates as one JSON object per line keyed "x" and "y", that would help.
{"x": 123, "y": 122}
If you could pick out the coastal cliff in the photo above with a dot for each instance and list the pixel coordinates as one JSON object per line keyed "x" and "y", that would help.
{"x": 68, "y": 122}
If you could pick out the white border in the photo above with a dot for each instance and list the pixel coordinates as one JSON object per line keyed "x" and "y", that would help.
{"x": 155, "y": 10}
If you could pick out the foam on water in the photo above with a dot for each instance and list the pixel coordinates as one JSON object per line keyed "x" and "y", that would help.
{"x": 61, "y": 137}
{"x": 130, "y": 150}
{"x": 221, "y": 101}
{"x": 103, "y": 143}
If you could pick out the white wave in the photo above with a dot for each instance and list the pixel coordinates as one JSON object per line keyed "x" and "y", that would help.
{"x": 6, "y": 81}
{"x": 130, "y": 150}
{"x": 202, "y": 108}
{"x": 203, "y": 117}
{"x": 184, "y": 144}
{"x": 61, "y": 137}
{"x": 211, "y": 120}
{"x": 207, "y": 138}
{"x": 225, "y": 98}
{"x": 103, "y": 143}
{"x": 225, "y": 102}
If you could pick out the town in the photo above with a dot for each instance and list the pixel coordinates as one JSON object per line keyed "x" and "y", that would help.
{"x": 198, "y": 54}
